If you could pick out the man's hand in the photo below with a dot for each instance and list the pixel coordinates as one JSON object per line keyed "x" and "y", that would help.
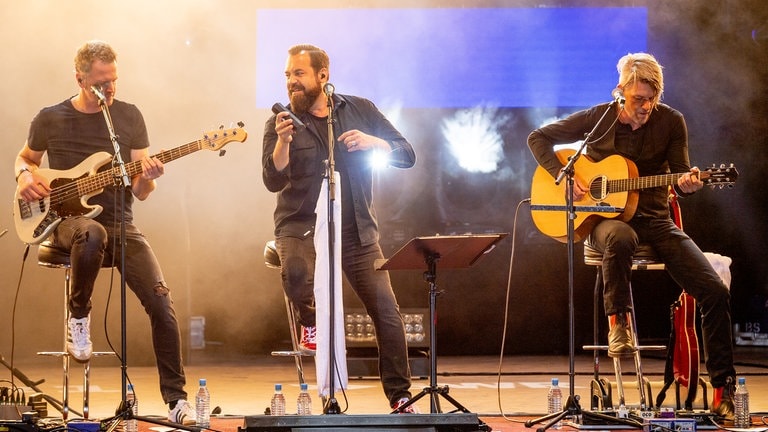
{"x": 690, "y": 182}
{"x": 33, "y": 187}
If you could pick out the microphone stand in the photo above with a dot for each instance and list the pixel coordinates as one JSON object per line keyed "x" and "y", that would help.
{"x": 123, "y": 181}
{"x": 572, "y": 408}
{"x": 332, "y": 405}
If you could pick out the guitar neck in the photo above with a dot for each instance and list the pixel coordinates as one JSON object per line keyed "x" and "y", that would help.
{"x": 624, "y": 185}
{"x": 106, "y": 178}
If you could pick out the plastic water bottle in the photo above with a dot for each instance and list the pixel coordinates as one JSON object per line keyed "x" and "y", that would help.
{"x": 741, "y": 418}
{"x": 132, "y": 424}
{"x": 203, "y": 405}
{"x": 278, "y": 401}
{"x": 304, "y": 401}
{"x": 555, "y": 400}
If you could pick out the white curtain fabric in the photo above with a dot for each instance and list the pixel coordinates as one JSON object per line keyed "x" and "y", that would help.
{"x": 322, "y": 295}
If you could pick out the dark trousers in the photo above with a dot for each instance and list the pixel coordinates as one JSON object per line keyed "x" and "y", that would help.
{"x": 687, "y": 266}
{"x": 90, "y": 244}
{"x": 297, "y": 257}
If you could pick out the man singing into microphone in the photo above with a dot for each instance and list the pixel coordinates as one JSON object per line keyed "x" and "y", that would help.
{"x": 294, "y": 165}
{"x": 654, "y": 136}
{"x": 70, "y": 132}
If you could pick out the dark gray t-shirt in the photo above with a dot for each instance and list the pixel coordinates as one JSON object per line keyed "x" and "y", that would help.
{"x": 70, "y": 136}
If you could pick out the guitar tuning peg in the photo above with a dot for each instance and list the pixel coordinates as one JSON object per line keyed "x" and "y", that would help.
{"x": 221, "y": 127}
{"x": 240, "y": 124}
{"x": 222, "y": 152}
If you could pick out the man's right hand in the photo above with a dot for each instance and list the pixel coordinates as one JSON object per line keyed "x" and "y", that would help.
{"x": 32, "y": 186}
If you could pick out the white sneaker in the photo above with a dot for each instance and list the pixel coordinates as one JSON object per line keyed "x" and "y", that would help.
{"x": 79, "y": 339}
{"x": 182, "y": 413}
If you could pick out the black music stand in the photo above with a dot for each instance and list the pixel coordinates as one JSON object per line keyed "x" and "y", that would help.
{"x": 452, "y": 252}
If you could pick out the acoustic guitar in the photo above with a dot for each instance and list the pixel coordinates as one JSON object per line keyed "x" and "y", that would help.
{"x": 614, "y": 187}
{"x": 71, "y": 189}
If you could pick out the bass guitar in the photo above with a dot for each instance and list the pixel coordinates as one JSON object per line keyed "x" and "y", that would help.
{"x": 71, "y": 189}
{"x": 613, "y": 193}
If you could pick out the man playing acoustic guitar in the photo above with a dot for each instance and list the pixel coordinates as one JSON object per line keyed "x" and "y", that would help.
{"x": 70, "y": 132}
{"x": 653, "y": 136}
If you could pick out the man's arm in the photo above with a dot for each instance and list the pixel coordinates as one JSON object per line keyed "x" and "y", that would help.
{"x": 31, "y": 186}
{"x": 151, "y": 168}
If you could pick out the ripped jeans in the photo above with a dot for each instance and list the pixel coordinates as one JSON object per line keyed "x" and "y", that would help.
{"x": 90, "y": 243}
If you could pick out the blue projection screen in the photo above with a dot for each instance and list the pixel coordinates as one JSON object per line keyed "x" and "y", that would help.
{"x": 453, "y": 58}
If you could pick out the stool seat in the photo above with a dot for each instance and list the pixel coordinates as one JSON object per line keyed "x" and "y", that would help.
{"x": 51, "y": 256}
{"x": 271, "y": 258}
{"x": 643, "y": 257}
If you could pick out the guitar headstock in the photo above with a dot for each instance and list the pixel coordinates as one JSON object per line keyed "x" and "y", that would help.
{"x": 720, "y": 176}
{"x": 216, "y": 139}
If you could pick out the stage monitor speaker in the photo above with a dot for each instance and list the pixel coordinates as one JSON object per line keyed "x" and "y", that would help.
{"x": 450, "y": 422}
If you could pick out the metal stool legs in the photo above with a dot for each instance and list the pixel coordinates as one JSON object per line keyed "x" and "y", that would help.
{"x": 602, "y": 396}
{"x": 297, "y": 353}
{"x": 57, "y": 259}
{"x": 272, "y": 260}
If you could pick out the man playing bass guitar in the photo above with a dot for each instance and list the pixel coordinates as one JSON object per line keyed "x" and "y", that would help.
{"x": 653, "y": 136}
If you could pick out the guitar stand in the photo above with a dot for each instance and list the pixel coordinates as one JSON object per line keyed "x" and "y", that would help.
{"x": 452, "y": 252}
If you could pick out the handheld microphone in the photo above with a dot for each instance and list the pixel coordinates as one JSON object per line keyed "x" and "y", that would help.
{"x": 278, "y": 107}
{"x": 98, "y": 94}
{"x": 328, "y": 88}
{"x": 618, "y": 96}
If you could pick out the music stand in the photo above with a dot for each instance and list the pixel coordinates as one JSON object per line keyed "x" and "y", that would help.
{"x": 452, "y": 252}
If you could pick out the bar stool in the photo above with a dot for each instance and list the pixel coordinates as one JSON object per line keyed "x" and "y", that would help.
{"x": 272, "y": 260}
{"x": 50, "y": 256}
{"x": 644, "y": 259}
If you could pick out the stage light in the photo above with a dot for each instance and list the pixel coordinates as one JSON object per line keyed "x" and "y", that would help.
{"x": 474, "y": 138}
{"x": 359, "y": 331}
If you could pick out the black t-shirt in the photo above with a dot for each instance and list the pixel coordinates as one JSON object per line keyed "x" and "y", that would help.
{"x": 70, "y": 136}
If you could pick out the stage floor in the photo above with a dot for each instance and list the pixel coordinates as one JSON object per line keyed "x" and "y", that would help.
{"x": 244, "y": 387}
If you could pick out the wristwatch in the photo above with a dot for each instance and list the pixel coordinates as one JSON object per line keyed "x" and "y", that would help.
{"x": 21, "y": 171}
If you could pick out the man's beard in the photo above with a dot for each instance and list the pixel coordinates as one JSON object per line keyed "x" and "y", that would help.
{"x": 301, "y": 102}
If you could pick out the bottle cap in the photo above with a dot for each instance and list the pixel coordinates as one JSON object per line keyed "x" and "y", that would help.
{"x": 129, "y": 387}
{"x": 555, "y": 381}
{"x": 742, "y": 380}
{"x": 203, "y": 382}
{"x": 303, "y": 386}
{"x": 278, "y": 387}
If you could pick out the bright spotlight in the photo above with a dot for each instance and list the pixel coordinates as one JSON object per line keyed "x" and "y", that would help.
{"x": 474, "y": 138}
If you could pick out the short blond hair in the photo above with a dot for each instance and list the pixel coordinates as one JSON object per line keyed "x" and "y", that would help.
{"x": 92, "y": 51}
{"x": 641, "y": 68}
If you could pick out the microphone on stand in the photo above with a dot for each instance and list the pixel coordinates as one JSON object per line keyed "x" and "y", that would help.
{"x": 99, "y": 94}
{"x": 618, "y": 96}
{"x": 328, "y": 88}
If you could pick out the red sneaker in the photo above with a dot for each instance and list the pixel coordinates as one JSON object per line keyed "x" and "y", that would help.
{"x": 308, "y": 338}
{"x": 410, "y": 409}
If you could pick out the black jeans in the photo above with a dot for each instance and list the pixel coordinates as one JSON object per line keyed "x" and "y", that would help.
{"x": 687, "y": 266}
{"x": 90, "y": 243}
{"x": 373, "y": 287}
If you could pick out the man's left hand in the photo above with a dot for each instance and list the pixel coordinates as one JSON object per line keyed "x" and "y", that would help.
{"x": 690, "y": 182}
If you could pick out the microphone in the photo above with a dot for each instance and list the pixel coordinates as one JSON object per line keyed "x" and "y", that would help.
{"x": 278, "y": 107}
{"x": 329, "y": 89}
{"x": 98, "y": 94}
{"x": 618, "y": 96}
